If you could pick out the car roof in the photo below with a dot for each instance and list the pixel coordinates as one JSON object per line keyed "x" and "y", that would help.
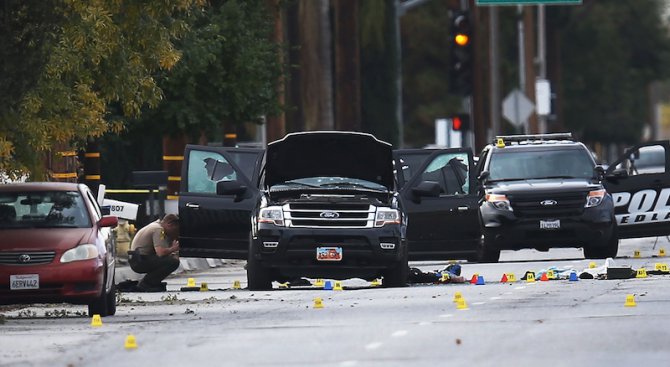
{"x": 40, "y": 186}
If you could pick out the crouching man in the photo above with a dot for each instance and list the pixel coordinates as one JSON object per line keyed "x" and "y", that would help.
{"x": 153, "y": 252}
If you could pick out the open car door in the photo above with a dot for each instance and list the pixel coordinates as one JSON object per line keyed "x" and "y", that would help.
{"x": 439, "y": 195}
{"x": 217, "y": 225}
{"x": 639, "y": 182}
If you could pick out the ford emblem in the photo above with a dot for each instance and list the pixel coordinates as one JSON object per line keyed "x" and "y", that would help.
{"x": 24, "y": 258}
{"x": 329, "y": 215}
{"x": 548, "y": 202}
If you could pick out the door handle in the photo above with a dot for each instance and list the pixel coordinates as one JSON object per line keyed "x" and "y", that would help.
{"x": 463, "y": 208}
{"x": 192, "y": 205}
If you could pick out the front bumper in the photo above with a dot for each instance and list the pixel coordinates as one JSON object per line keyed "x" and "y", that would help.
{"x": 293, "y": 251}
{"x": 593, "y": 227}
{"x": 78, "y": 282}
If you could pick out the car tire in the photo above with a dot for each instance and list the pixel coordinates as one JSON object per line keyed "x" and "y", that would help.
{"x": 111, "y": 300}
{"x": 609, "y": 249}
{"x": 487, "y": 252}
{"x": 258, "y": 276}
{"x": 396, "y": 276}
{"x": 100, "y": 305}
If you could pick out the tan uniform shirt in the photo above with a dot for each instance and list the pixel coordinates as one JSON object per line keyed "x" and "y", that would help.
{"x": 148, "y": 237}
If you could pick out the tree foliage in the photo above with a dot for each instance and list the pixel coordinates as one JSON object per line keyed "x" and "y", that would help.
{"x": 64, "y": 62}
{"x": 227, "y": 74}
{"x": 610, "y": 52}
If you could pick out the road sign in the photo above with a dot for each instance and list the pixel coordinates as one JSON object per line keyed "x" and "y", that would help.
{"x": 529, "y": 2}
{"x": 517, "y": 107}
{"x": 543, "y": 97}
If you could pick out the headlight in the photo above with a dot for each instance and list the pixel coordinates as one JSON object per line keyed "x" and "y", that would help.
{"x": 595, "y": 197}
{"x": 81, "y": 252}
{"x": 387, "y": 216}
{"x": 271, "y": 214}
{"x": 499, "y": 201}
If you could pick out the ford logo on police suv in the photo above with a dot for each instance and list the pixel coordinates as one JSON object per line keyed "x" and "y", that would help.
{"x": 548, "y": 202}
{"x": 329, "y": 215}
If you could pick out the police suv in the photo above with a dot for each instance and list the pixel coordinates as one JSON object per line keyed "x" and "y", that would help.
{"x": 542, "y": 191}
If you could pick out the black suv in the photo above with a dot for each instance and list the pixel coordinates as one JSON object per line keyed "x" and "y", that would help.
{"x": 316, "y": 204}
{"x": 542, "y": 191}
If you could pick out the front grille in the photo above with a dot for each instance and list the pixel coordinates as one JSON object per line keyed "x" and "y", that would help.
{"x": 529, "y": 206}
{"x": 329, "y": 215}
{"x": 26, "y": 258}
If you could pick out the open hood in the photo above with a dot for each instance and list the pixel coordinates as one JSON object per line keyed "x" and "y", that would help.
{"x": 329, "y": 154}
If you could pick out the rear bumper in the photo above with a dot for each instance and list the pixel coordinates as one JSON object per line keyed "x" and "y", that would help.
{"x": 79, "y": 282}
{"x": 295, "y": 251}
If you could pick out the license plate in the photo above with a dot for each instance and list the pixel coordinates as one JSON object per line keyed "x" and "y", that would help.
{"x": 550, "y": 224}
{"x": 24, "y": 281}
{"x": 329, "y": 253}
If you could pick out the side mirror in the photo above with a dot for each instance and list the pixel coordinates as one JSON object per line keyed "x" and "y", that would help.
{"x": 599, "y": 172}
{"x": 427, "y": 189}
{"x": 108, "y": 221}
{"x": 231, "y": 188}
{"x": 483, "y": 176}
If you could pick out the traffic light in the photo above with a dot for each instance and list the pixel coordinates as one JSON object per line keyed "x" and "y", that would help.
{"x": 460, "y": 122}
{"x": 461, "y": 53}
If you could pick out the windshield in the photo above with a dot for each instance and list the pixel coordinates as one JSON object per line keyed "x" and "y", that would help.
{"x": 44, "y": 209}
{"x": 331, "y": 183}
{"x": 526, "y": 164}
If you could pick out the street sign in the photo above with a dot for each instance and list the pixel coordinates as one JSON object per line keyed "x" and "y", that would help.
{"x": 529, "y": 2}
{"x": 543, "y": 97}
{"x": 517, "y": 107}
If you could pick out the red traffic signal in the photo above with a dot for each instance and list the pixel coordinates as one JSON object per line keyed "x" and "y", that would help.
{"x": 460, "y": 122}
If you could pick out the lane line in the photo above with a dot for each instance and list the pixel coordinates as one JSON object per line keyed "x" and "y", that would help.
{"x": 399, "y": 333}
{"x": 447, "y": 315}
{"x": 425, "y": 323}
{"x": 521, "y": 287}
{"x": 478, "y": 303}
{"x": 348, "y": 363}
{"x": 495, "y": 298}
{"x": 373, "y": 346}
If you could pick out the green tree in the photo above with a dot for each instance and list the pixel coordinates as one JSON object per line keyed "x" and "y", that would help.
{"x": 64, "y": 62}
{"x": 227, "y": 73}
{"x": 611, "y": 51}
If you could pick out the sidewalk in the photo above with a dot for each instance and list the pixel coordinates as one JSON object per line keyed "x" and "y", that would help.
{"x": 124, "y": 272}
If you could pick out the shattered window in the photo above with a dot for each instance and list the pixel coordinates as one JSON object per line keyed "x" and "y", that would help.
{"x": 205, "y": 169}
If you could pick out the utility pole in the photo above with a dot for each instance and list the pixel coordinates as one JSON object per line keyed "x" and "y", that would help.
{"x": 541, "y": 59}
{"x": 494, "y": 71}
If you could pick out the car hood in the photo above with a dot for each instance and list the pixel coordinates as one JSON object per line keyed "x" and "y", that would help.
{"x": 44, "y": 239}
{"x": 538, "y": 186}
{"x": 329, "y": 154}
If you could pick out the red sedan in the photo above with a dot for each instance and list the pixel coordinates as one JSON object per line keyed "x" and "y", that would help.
{"x": 56, "y": 246}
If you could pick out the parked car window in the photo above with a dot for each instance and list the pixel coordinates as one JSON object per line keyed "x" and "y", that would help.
{"x": 451, "y": 172}
{"x": 205, "y": 169}
{"x": 44, "y": 209}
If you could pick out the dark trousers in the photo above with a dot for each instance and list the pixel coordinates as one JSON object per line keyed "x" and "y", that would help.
{"x": 155, "y": 267}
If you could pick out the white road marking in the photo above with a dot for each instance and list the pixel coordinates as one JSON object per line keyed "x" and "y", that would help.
{"x": 495, "y": 298}
{"x": 520, "y": 287}
{"x": 478, "y": 303}
{"x": 447, "y": 315}
{"x": 399, "y": 333}
{"x": 425, "y": 323}
{"x": 348, "y": 363}
{"x": 374, "y": 345}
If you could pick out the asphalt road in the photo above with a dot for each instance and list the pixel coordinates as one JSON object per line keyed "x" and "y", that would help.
{"x": 553, "y": 323}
